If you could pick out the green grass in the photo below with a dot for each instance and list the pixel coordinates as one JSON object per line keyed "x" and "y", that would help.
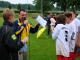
{"x": 42, "y": 48}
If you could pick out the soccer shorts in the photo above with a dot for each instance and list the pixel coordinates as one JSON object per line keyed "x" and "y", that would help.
{"x": 60, "y": 57}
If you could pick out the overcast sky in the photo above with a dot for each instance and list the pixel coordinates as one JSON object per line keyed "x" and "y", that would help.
{"x": 20, "y": 1}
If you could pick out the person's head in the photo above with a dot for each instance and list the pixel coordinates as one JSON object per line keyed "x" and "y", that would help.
{"x": 61, "y": 19}
{"x": 8, "y": 14}
{"x": 73, "y": 14}
{"x": 22, "y": 14}
{"x": 68, "y": 16}
{"x": 49, "y": 14}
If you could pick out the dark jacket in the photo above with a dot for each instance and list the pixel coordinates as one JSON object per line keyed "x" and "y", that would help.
{"x": 32, "y": 29}
{"x": 48, "y": 21}
{"x": 9, "y": 41}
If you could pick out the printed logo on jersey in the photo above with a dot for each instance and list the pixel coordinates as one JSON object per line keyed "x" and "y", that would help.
{"x": 66, "y": 33}
{"x": 14, "y": 37}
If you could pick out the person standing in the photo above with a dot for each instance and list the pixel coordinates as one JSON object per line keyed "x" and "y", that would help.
{"x": 9, "y": 41}
{"x": 76, "y": 22}
{"x": 22, "y": 28}
{"x": 49, "y": 22}
{"x": 61, "y": 34}
{"x": 72, "y": 31}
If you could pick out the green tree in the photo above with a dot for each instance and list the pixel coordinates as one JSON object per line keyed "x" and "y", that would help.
{"x": 44, "y": 5}
{"x": 4, "y": 4}
{"x": 67, "y": 4}
{"x": 9, "y": 6}
{"x": 19, "y": 6}
{"x": 28, "y": 6}
{"x": 61, "y": 4}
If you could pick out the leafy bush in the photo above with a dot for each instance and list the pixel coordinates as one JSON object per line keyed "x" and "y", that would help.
{"x": 29, "y": 11}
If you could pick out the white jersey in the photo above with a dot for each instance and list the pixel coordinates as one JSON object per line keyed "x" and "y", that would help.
{"x": 77, "y": 25}
{"x": 78, "y": 16}
{"x": 72, "y": 32}
{"x": 61, "y": 34}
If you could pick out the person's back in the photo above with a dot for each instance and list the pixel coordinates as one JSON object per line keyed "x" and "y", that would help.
{"x": 61, "y": 34}
{"x": 9, "y": 40}
{"x": 5, "y": 50}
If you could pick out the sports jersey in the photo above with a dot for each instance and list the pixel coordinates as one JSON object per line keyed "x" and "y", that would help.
{"x": 76, "y": 22}
{"x": 61, "y": 34}
{"x": 72, "y": 32}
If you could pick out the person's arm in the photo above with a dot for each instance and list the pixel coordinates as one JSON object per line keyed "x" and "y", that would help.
{"x": 55, "y": 32}
{"x": 34, "y": 29}
{"x": 18, "y": 29}
{"x": 11, "y": 41}
{"x": 51, "y": 27}
{"x": 78, "y": 37}
{"x": 73, "y": 33}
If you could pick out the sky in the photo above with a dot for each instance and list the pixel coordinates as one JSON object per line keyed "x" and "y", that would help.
{"x": 20, "y": 1}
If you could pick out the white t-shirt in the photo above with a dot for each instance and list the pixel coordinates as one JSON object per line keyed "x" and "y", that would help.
{"x": 72, "y": 32}
{"x": 76, "y": 22}
{"x": 78, "y": 16}
{"x": 61, "y": 34}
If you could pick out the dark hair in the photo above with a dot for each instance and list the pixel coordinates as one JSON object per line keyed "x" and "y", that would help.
{"x": 68, "y": 14}
{"x": 22, "y": 10}
{"x": 61, "y": 19}
{"x": 48, "y": 13}
{"x": 73, "y": 11}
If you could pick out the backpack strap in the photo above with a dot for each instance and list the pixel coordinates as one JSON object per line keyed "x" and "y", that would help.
{"x": 6, "y": 29}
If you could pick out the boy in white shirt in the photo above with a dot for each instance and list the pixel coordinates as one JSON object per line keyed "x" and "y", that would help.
{"x": 72, "y": 31}
{"x": 76, "y": 22}
{"x": 61, "y": 34}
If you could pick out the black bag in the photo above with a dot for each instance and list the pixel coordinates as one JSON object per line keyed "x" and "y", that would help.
{"x": 1, "y": 34}
{"x": 77, "y": 49}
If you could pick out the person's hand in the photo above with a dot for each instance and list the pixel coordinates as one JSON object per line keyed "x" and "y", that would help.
{"x": 72, "y": 38}
{"x": 38, "y": 24}
{"x": 25, "y": 22}
{"x": 22, "y": 41}
{"x": 77, "y": 44}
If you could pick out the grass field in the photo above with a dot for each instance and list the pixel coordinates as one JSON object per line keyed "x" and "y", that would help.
{"x": 42, "y": 48}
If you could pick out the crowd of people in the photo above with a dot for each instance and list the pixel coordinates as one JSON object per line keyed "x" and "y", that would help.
{"x": 65, "y": 29}
{"x": 67, "y": 35}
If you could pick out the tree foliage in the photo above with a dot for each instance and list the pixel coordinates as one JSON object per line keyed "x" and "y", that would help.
{"x": 62, "y": 4}
{"x": 4, "y": 4}
{"x": 19, "y": 6}
{"x": 9, "y": 6}
{"x": 44, "y": 5}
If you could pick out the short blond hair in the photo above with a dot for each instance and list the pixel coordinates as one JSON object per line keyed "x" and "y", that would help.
{"x": 7, "y": 13}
